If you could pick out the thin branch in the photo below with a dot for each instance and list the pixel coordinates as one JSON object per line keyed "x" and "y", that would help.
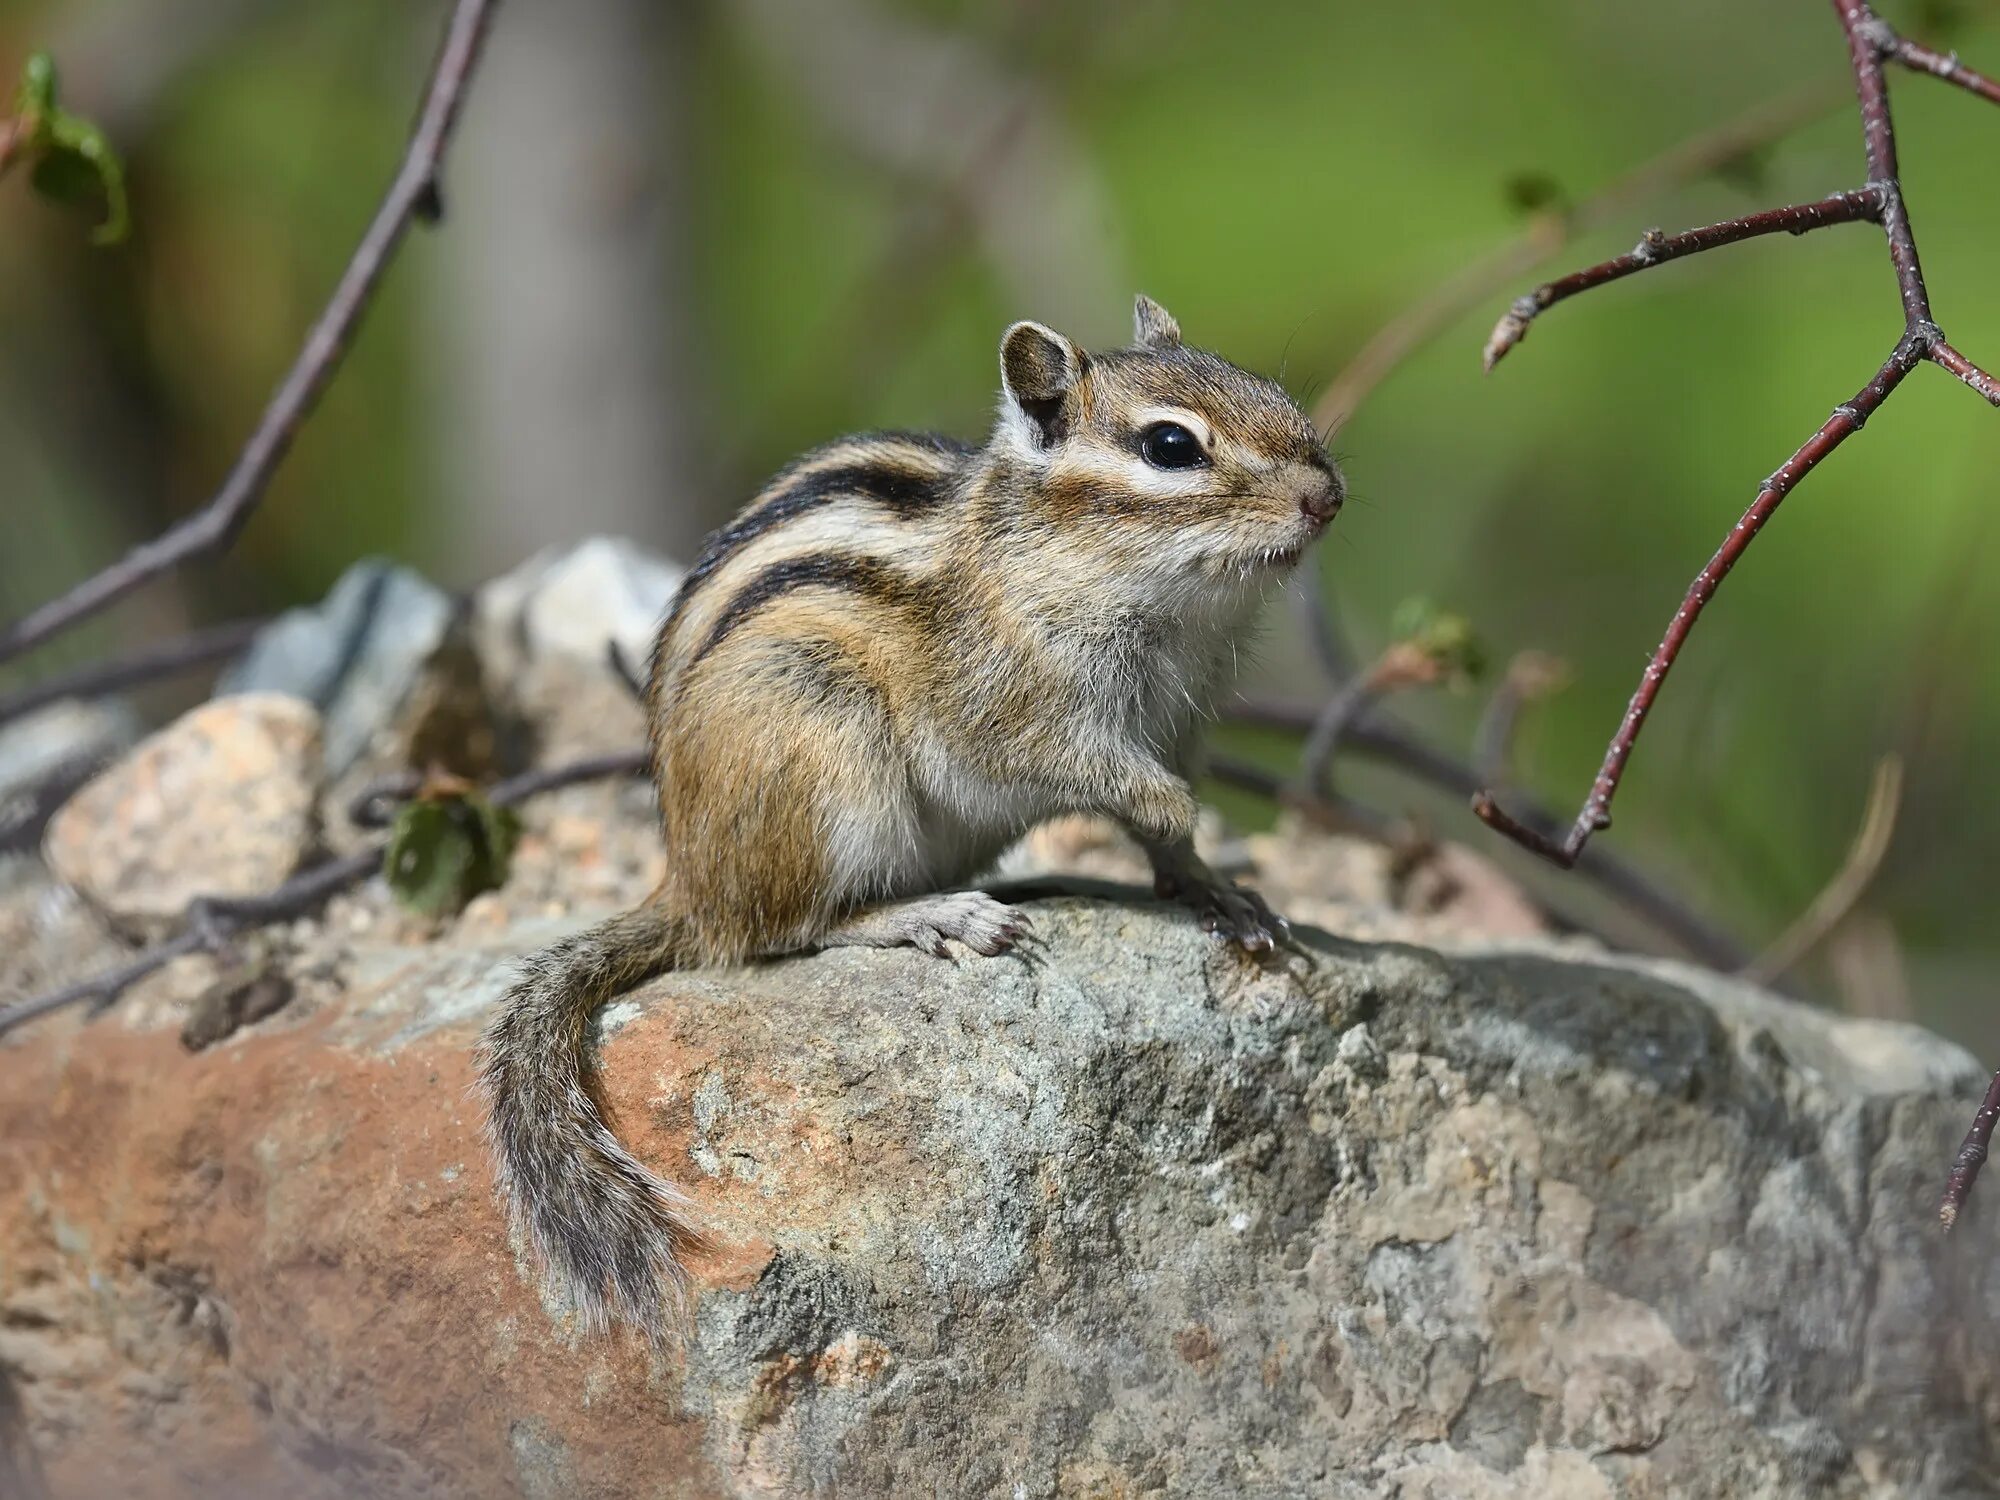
{"x": 1331, "y": 813}
{"x": 1323, "y": 739}
{"x": 102, "y": 989}
{"x": 1656, "y": 249}
{"x": 1531, "y": 676}
{"x": 1950, "y": 359}
{"x": 1944, "y": 65}
{"x": 187, "y": 653}
{"x": 1846, "y": 420}
{"x": 1382, "y": 740}
{"x": 211, "y": 922}
{"x": 413, "y": 194}
{"x": 1869, "y": 41}
{"x": 1427, "y": 318}
{"x": 1323, "y": 632}
{"x": 1403, "y": 665}
{"x": 1857, "y": 872}
{"x": 1971, "y": 1156}
{"x": 528, "y": 784}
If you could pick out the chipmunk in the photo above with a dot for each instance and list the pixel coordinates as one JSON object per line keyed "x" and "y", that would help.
{"x": 905, "y": 653}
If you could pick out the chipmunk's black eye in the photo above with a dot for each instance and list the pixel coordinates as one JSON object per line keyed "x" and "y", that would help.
{"x": 1168, "y": 445}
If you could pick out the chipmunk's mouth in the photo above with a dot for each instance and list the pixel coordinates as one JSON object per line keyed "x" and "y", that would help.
{"x": 1287, "y": 553}
{"x": 1283, "y": 557}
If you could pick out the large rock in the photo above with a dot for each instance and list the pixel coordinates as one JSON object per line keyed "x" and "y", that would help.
{"x": 219, "y": 803}
{"x": 1125, "y": 1215}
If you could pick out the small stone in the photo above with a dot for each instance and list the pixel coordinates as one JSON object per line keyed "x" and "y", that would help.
{"x": 579, "y": 603}
{"x": 219, "y": 803}
{"x": 546, "y": 634}
{"x": 356, "y": 656}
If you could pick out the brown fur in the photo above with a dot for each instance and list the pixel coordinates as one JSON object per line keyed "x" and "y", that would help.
{"x": 900, "y": 656}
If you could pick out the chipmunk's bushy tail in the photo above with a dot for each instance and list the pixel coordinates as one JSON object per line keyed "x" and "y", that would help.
{"x": 610, "y": 1233}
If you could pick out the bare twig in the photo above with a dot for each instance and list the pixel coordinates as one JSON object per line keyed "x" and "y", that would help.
{"x": 1945, "y": 65}
{"x": 1656, "y": 249}
{"x": 1431, "y": 315}
{"x": 213, "y": 921}
{"x": 1403, "y": 665}
{"x": 101, "y": 989}
{"x": 528, "y": 784}
{"x": 1531, "y": 676}
{"x": 1857, "y": 872}
{"x": 1379, "y": 739}
{"x": 1323, "y": 632}
{"x": 412, "y": 194}
{"x": 187, "y": 653}
{"x": 1971, "y": 1156}
{"x": 1870, "y": 43}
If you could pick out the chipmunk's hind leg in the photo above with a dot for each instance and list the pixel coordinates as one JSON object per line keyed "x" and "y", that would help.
{"x": 982, "y": 923}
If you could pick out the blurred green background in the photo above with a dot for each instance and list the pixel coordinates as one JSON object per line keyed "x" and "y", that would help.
{"x": 686, "y": 240}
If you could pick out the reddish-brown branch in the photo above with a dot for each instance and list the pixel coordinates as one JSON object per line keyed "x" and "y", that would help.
{"x": 1656, "y": 249}
{"x": 1596, "y": 813}
{"x": 413, "y": 194}
{"x": 1423, "y": 320}
{"x": 1375, "y": 737}
{"x": 1941, "y": 353}
{"x": 1945, "y": 65}
{"x": 1870, "y": 42}
{"x": 1971, "y": 1156}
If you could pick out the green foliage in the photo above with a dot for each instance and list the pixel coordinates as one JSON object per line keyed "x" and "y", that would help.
{"x": 447, "y": 847}
{"x": 1445, "y": 640}
{"x": 1534, "y": 193}
{"x": 71, "y": 161}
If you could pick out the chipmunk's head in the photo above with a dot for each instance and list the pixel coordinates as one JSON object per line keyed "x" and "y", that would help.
{"x": 1161, "y": 459}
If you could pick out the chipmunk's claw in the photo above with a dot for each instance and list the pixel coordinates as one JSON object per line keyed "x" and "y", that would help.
{"x": 1229, "y": 911}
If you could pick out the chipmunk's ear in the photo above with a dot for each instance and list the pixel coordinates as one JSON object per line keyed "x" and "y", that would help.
{"x": 1041, "y": 370}
{"x": 1153, "y": 327}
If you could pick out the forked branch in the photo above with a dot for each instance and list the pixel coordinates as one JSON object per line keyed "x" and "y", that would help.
{"x": 1871, "y": 45}
{"x": 413, "y": 194}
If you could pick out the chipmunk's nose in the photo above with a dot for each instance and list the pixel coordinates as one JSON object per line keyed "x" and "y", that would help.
{"x": 1321, "y": 496}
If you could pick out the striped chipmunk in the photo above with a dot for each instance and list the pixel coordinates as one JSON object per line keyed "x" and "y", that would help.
{"x": 902, "y": 655}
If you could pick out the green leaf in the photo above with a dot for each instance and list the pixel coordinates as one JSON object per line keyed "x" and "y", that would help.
{"x": 63, "y": 176}
{"x": 73, "y": 159}
{"x": 1534, "y": 193}
{"x": 444, "y": 851}
{"x": 1448, "y": 639}
{"x": 38, "y": 85}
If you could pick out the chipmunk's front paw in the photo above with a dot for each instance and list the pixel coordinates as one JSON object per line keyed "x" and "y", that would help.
{"x": 1227, "y": 910}
{"x": 973, "y": 918}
